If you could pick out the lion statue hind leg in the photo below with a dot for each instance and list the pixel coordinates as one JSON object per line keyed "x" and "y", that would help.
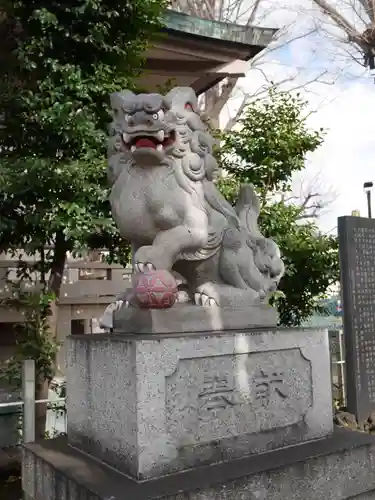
{"x": 206, "y": 286}
{"x": 216, "y": 294}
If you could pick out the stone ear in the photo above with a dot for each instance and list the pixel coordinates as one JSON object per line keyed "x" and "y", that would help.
{"x": 182, "y": 96}
{"x": 122, "y": 101}
{"x": 211, "y": 167}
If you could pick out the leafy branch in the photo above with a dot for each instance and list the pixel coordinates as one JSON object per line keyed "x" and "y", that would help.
{"x": 33, "y": 340}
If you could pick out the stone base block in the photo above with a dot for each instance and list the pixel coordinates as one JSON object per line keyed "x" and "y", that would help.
{"x": 336, "y": 468}
{"x": 191, "y": 318}
{"x": 150, "y": 405}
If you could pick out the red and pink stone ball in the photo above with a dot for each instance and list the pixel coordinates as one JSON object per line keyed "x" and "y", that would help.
{"x": 155, "y": 289}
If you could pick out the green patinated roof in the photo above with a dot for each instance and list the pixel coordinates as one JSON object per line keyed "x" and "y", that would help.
{"x": 247, "y": 35}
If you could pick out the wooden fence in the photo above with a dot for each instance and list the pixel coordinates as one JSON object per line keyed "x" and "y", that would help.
{"x": 17, "y": 417}
{"x": 88, "y": 287}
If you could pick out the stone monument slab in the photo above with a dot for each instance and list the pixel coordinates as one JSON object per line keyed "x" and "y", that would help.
{"x": 150, "y": 405}
{"x": 357, "y": 262}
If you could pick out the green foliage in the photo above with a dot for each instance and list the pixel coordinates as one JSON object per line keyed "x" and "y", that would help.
{"x": 33, "y": 336}
{"x": 229, "y": 187}
{"x": 268, "y": 148}
{"x": 48, "y": 202}
{"x": 311, "y": 260}
{"x": 60, "y": 61}
{"x": 270, "y": 143}
{"x": 167, "y": 86}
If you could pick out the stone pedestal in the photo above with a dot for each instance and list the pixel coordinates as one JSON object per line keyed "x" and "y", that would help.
{"x": 240, "y": 414}
{"x": 152, "y": 405}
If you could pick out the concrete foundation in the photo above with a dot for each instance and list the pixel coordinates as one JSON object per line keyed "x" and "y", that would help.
{"x": 335, "y": 468}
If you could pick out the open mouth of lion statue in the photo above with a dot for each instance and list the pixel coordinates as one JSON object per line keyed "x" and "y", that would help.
{"x": 158, "y": 141}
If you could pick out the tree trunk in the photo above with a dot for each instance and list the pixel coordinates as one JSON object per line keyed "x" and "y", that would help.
{"x": 58, "y": 264}
{"x": 54, "y": 286}
{"x": 217, "y": 98}
{"x": 55, "y": 279}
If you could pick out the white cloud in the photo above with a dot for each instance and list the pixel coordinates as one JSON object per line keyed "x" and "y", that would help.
{"x": 347, "y": 157}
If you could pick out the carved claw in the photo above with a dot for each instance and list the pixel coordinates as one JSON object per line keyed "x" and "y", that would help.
{"x": 201, "y": 299}
{"x": 126, "y": 304}
{"x": 204, "y": 299}
{"x": 138, "y": 267}
{"x": 141, "y": 267}
{"x": 152, "y": 257}
{"x": 106, "y": 321}
{"x": 119, "y": 304}
{"x": 207, "y": 295}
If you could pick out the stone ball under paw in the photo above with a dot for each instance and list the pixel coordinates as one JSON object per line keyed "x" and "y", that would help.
{"x": 155, "y": 289}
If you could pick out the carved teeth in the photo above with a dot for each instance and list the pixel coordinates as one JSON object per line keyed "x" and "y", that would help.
{"x": 159, "y": 147}
{"x": 132, "y": 149}
{"x": 160, "y": 135}
{"x": 126, "y": 137}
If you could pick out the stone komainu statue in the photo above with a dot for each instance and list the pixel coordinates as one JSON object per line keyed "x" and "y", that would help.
{"x": 164, "y": 201}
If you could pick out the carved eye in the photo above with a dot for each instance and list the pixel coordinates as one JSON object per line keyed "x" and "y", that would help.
{"x": 189, "y": 107}
{"x": 129, "y": 119}
{"x": 155, "y": 116}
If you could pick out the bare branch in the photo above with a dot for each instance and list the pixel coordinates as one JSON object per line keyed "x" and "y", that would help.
{"x": 199, "y": 8}
{"x": 366, "y": 7}
{"x": 335, "y": 15}
{"x": 313, "y": 197}
{"x": 262, "y": 92}
{"x": 354, "y": 44}
{"x": 364, "y": 41}
{"x": 221, "y": 9}
{"x": 253, "y": 13}
{"x": 369, "y": 6}
{"x": 222, "y": 99}
{"x": 311, "y": 204}
{"x": 209, "y": 9}
{"x": 232, "y": 121}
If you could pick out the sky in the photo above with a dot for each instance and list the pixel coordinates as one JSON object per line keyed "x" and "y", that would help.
{"x": 341, "y": 96}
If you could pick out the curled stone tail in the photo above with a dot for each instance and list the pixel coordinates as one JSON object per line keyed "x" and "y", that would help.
{"x": 266, "y": 252}
{"x": 248, "y": 209}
